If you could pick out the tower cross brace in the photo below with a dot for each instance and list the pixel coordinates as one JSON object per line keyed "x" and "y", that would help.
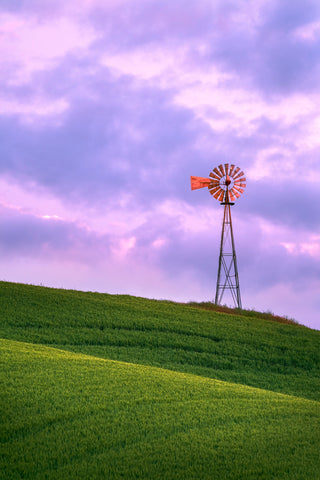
{"x": 228, "y": 277}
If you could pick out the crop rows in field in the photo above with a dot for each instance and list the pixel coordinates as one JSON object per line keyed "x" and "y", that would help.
{"x": 243, "y": 349}
{"x": 106, "y": 387}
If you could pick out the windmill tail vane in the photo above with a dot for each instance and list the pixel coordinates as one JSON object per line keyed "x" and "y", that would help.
{"x": 199, "y": 182}
{"x": 225, "y": 182}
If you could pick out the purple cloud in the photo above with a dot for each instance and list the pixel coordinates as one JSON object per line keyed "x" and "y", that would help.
{"x": 107, "y": 108}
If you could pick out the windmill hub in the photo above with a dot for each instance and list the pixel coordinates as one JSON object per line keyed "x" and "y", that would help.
{"x": 228, "y": 180}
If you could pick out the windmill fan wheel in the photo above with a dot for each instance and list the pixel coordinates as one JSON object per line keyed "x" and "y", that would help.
{"x": 227, "y": 182}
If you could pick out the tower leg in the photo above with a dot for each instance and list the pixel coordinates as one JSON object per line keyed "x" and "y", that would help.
{"x": 228, "y": 278}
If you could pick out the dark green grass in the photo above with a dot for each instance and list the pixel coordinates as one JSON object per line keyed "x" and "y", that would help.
{"x": 71, "y": 416}
{"x": 68, "y": 415}
{"x": 242, "y": 347}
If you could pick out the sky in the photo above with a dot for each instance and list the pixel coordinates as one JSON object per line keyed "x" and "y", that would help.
{"x": 106, "y": 109}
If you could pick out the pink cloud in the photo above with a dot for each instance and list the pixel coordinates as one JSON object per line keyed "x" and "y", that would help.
{"x": 30, "y": 46}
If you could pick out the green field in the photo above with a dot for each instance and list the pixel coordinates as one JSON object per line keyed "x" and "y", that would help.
{"x": 110, "y": 386}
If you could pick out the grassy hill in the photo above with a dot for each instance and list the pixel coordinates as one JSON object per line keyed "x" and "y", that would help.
{"x": 110, "y": 386}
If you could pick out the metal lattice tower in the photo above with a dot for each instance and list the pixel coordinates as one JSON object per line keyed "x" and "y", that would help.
{"x": 225, "y": 184}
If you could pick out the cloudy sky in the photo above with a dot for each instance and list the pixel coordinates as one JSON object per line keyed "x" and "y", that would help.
{"x": 106, "y": 109}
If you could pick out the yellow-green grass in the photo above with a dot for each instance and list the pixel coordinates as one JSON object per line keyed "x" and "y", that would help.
{"x": 70, "y": 416}
{"x": 242, "y": 347}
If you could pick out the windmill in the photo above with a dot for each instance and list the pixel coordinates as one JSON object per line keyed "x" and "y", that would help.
{"x": 226, "y": 183}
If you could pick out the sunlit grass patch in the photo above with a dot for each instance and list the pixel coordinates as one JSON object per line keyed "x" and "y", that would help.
{"x": 68, "y": 415}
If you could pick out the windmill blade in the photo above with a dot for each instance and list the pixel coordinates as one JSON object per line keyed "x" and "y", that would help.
{"x": 236, "y": 177}
{"x": 226, "y": 166}
{"x": 235, "y": 193}
{"x": 214, "y": 176}
{"x": 222, "y": 170}
{"x": 214, "y": 190}
{"x": 199, "y": 182}
{"x": 221, "y": 196}
{"x": 235, "y": 172}
{"x": 231, "y": 196}
{"x": 239, "y": 184}
{"x": 216, "y": 195}
{"x": 217, "y": 172}
{"x": 232, "y": 167}
{"x": 214, "y": 184}
{"x": 238, "y": 189}
{"x": 243, "y": 179}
